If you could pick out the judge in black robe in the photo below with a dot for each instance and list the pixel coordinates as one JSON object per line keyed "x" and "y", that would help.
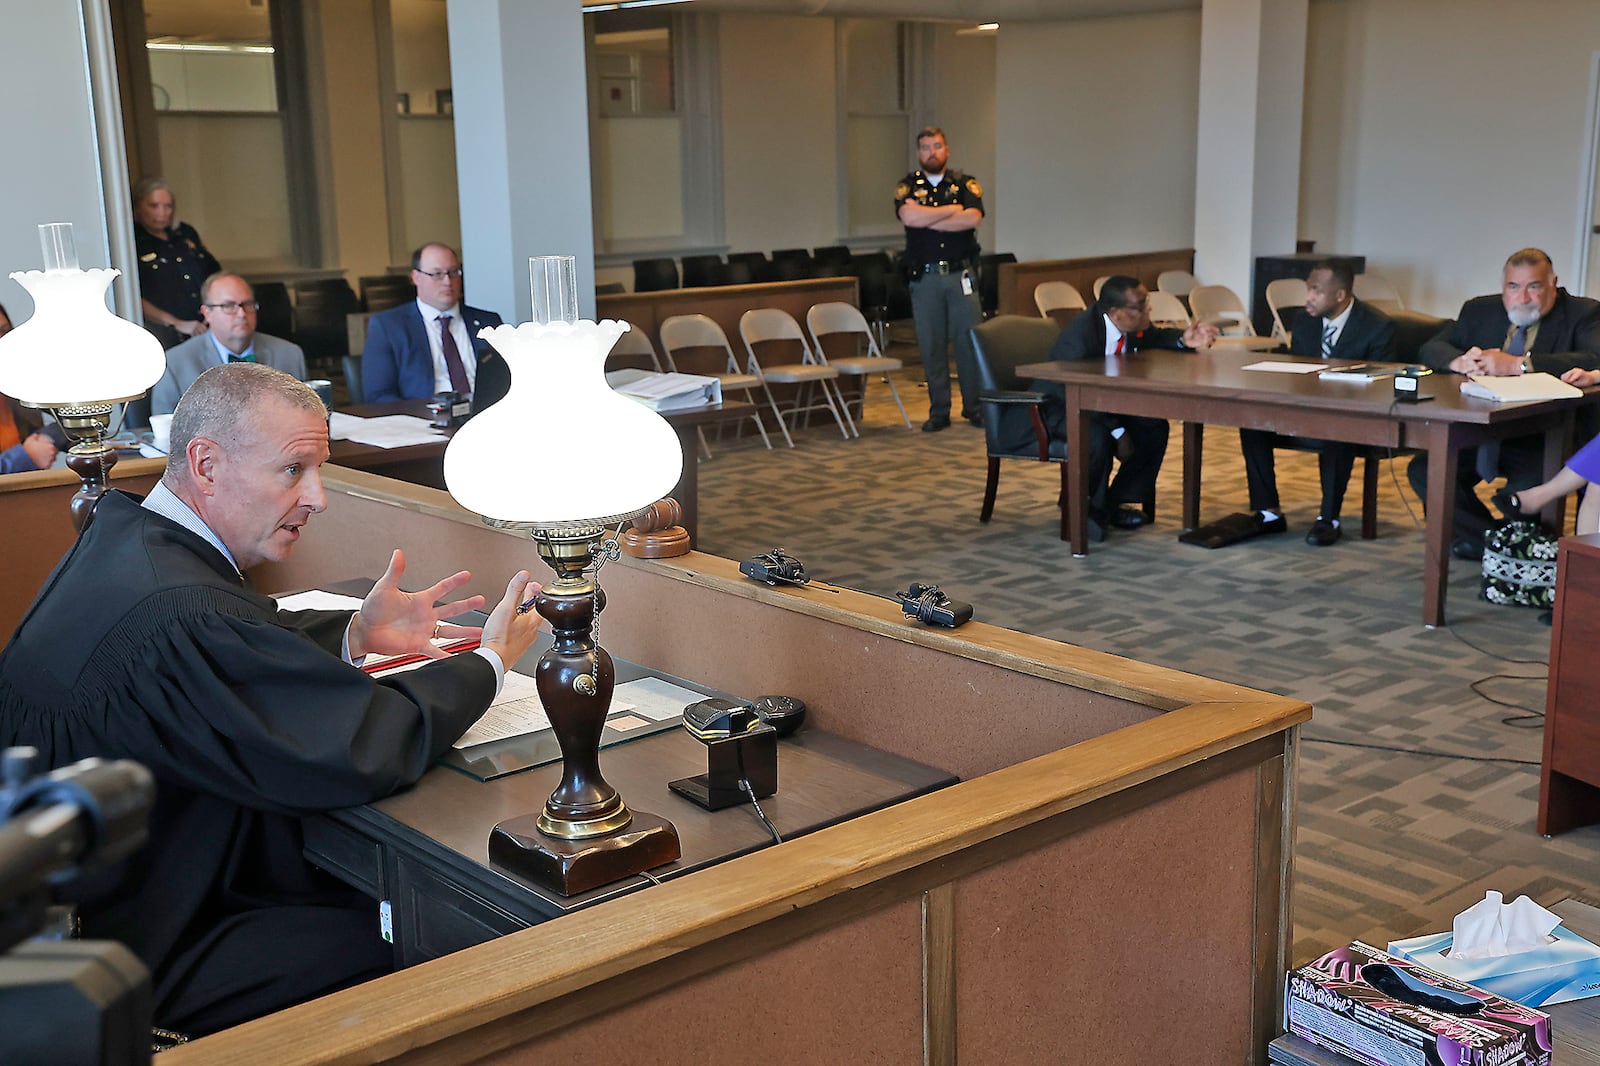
{"x": 147, "y": 644}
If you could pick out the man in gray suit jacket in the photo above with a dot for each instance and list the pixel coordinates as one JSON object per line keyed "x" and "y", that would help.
{"x": 228, "y": 305}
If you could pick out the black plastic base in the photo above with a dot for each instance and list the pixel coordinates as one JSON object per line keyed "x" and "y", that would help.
{"x": 752, "y": 755}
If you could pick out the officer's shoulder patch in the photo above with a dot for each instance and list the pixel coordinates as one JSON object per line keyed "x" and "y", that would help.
{"x": 974, "y": 188}
{"x": 902, "y": 191}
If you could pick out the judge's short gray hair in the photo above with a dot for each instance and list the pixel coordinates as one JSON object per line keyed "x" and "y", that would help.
{"x": 223, "y": 400}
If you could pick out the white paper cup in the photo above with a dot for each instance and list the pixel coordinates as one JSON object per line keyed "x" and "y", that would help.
{"x": 161, "y": 432}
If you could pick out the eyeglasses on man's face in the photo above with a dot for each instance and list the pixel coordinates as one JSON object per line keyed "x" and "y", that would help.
{"x": 440, "y": 275}
{"x": 232, "y": 308}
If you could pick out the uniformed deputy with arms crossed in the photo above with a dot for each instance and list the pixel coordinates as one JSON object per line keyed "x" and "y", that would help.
{"x": 941, "y": 211}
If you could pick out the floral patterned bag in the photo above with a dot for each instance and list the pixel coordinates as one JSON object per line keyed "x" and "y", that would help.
{"x": 1519, "y": 565}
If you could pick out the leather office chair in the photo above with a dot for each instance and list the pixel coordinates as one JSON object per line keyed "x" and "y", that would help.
{"x": 761, "y": 325}
{"x": 700, "y": 271}
{"x": 320, "y": 308}
{"x": 380, "y": 292}
{"x": 1013, "y": 427}
{"x": 792, "y": 264}
{"x": 737, "y": 273}
{"x": 759, "y": 266}
{"x": 654, "y": 275}
{"x": 680, "y": 333}
{"x": 833, "y": 261}
{"x": 989, "y": 280}
{"x": 352, "y": 379}
{"x": 276, "y": 315}
{"x": 841, "y": 319}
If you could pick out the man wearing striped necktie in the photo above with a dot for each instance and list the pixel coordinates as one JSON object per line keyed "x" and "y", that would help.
{"x": 1334, "y": 325}
{"x": 1532, "y": 325}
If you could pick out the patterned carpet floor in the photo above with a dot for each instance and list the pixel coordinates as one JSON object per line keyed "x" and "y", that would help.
{"x": 1419, "y": 777}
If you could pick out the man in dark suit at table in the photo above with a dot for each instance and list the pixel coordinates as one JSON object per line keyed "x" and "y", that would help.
{"x": 1118, "y": 324}
{"x": 1533, "y": 325}
{"x": 1335, "y": 325}
{"x": 418, "y": 350}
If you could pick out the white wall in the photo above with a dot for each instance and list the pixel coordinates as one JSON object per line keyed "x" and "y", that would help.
{"x": 780, "y": 153}
{"x": 964, "y": 107}
{"x": 1095, "y": 135}
{"x": 1441, "y": 135}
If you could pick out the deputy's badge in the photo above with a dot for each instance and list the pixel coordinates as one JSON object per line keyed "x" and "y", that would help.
{"x": 148, "y": 257}
{"x": 974, "y": 188}
{"x": 902, "y": 191}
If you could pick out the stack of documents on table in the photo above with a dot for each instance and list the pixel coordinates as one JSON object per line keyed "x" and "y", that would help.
{"x": 384, "y": 431}
{"x": 1520, "y": 387}
{"x": 666, "y": 392}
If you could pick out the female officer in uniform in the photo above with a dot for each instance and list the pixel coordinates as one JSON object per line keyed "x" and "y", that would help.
{"x": 172, "y": 262}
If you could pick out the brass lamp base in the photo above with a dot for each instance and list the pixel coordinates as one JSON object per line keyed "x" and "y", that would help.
{"x": 573, "y": 866}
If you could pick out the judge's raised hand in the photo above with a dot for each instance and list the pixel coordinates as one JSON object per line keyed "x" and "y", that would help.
{"x": 392, "y": 622}
{"x": 511, "y": 627}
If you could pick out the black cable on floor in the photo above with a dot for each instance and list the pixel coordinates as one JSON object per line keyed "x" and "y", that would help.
{"x": 744, "y": 786}
{"x": 1495, "y": 655}
{"x": 1415, "y": 751}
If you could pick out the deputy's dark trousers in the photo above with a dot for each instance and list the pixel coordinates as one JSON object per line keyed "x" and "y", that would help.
{"x": 945, "y": 314}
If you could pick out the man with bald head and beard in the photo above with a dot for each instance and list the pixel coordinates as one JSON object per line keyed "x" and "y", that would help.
{"x": 148, "y": 643}
{"x": 1532, "y": 325}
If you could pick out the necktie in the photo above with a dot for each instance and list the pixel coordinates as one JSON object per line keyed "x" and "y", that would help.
{"x": 452, "y": 358}
{"x": 1518, "y": 344}
{"x": 1327, "y": 341}
{"x": 1122, "y": 339}
{"x": 242, "y": 358}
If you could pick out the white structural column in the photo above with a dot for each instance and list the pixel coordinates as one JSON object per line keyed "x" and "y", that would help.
{"x": 522, "y": 146}
{"x": 1247, "y": 159}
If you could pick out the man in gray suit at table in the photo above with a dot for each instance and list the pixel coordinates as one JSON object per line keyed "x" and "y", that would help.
{"x": 228, "y": 305}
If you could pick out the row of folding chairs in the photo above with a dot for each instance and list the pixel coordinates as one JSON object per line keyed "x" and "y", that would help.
{"x": 839, "y": 324}
{"x": 1217, "y": 304}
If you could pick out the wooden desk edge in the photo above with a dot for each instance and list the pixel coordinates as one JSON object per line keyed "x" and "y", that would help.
{"x": 416, "y": 1009}
{"x": 1112, "y": 675}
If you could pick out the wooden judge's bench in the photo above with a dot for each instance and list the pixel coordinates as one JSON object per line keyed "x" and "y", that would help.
{"x": 1110, "y": 876}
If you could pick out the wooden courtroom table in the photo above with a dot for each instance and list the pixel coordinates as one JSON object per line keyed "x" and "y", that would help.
{"x": 1569, "y": 773}
{"x": 1197, "y": 388}
{"x": 423, "y": 464}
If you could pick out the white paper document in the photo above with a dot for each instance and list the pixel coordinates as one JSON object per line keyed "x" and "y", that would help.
{"x": 1519, "y": 387}
{"x": 656, "y": 699}
{"x": 317, "y": 600}
{"x": 384, "y": 431}
{"x": 516, "y": 712}
{"x": 665, "y": 392}
{"x": 1277, "y": 367}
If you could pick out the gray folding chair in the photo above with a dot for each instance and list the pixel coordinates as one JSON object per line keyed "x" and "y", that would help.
{"x": 830, "y": 319}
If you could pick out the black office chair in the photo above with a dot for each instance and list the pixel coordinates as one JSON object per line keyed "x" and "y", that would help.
{"x": 792, "y": 264}
{"x": 325, "y": 294}
{"x": 872, "y": 284}
{"x": 700, "y": 271}
{"x": 654, "y": 275}
{"x": 379, "y": 292}
{"x": 756, "y": 263}
{"x": 275, "y": 317}
{"x": 1013, "y": 426}
{"x": 833, "y": 261}
{"x": 352, "y": 379}
{"x": 989, "y": 281}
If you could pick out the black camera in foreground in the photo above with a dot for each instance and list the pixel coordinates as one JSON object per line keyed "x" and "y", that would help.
{"x": 927, "y": 604}
{"x": 775, "y": 568}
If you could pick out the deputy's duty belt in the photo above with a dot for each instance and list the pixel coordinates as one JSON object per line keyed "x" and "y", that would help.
{"x": 941, "y": 267}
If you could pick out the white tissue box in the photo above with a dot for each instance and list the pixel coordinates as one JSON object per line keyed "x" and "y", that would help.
{"x": 1555, "y": 973}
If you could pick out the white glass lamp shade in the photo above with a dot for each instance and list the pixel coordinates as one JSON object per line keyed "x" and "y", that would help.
{"x": 73, "y": 350}
{"x": 561, "y": 450}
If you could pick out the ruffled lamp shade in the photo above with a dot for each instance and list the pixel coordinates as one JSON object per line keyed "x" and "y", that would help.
{"x": 73, "y": 350}
{"x": 561, "y": 450}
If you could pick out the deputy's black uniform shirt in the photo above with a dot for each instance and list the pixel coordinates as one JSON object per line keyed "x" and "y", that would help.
{"x": 934, "y": 246}
{"x": 171, "y": 269}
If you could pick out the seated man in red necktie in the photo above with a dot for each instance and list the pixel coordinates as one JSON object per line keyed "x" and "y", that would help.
{"x": 1118, "y": 324}
{"x": 431, "y": 346}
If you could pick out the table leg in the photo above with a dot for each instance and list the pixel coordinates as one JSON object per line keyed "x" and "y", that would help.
{"x": 1077, "y": 502}
{"x": 1193, "y": 449}
{"x": 1444, "y": 454}
{"x": 1557, "y": 438}
{"x": 687, "y": 490}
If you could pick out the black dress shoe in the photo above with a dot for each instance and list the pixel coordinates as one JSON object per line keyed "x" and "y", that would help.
{"x": 1467, "y": 548}
{"x": 976, "y": 418}
{"x": 1279, "y": 524}
{"x": 1322, "y": 533}
{"x": 934, "y": 425}
{"x": 1128, "y": 518}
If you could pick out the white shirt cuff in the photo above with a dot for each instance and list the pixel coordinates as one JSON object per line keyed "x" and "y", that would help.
{"x": 493, "y": 660}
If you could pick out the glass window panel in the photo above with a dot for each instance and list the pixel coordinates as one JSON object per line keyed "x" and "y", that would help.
{"x": 210, "y": 57}
{"x": 227, "y": 175}
{"x": 632, "y": 208}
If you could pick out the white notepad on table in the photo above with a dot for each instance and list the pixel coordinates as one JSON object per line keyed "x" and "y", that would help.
{"x": 1519, "y": 387}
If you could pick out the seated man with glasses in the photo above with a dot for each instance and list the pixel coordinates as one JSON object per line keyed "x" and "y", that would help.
{"x": 418, "y": 350}
{"x": 1118, "y": 325}
{"x": 228, "y": 306}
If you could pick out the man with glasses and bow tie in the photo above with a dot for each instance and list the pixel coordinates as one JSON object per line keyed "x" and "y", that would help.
{"x": 228, "y": 306}
{"x": 1335, "y": 325}
{"x": 419, "y": 350}
{"x": 1533, "y": 325}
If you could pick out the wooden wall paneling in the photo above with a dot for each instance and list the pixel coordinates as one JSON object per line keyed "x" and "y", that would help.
{"x": 1017, "y": 280}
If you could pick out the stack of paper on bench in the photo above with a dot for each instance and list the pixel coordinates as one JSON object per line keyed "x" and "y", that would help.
{"x": 1520, "y": 387}
{"x": 665, "y": 392}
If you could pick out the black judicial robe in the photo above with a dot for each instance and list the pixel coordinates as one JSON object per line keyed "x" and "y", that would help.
{"x": 145, "y": 644}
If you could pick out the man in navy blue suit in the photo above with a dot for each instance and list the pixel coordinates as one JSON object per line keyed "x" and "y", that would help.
{"x": 419, "y": 350}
